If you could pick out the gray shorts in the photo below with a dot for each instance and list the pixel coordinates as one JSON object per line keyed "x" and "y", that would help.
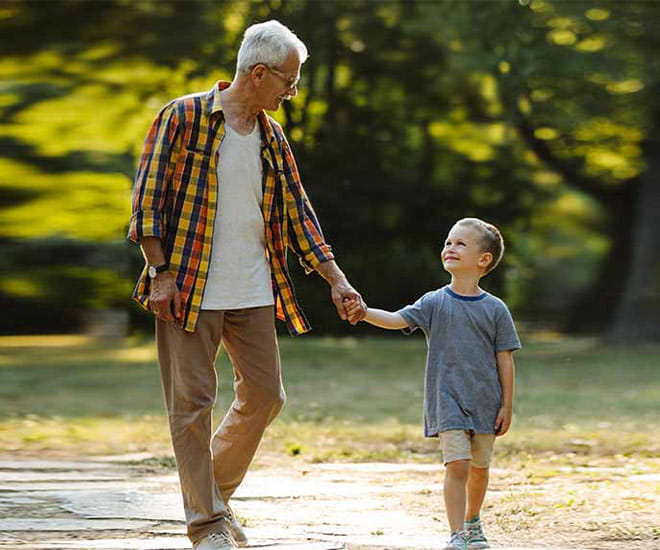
{"x": 466, "y": 445}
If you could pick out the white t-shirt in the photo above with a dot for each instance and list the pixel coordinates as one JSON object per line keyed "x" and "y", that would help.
{"x": 239, "y": 272}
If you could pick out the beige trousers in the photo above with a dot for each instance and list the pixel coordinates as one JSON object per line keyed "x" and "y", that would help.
{"x": 211, "y": 466}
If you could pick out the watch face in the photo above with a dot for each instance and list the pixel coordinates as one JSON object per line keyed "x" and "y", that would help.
{"x": 152, "y": 271}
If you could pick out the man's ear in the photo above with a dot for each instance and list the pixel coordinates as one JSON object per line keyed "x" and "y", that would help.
{"x": 485, "y": 259}
{"x": 258, "y": 73}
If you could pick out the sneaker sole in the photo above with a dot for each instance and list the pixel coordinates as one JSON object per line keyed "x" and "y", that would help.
{"x": 241, "y": 543}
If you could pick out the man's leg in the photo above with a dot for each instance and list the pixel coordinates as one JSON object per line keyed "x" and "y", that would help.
{"x": 187, "y": 363}
{"x": 251, "y": 343}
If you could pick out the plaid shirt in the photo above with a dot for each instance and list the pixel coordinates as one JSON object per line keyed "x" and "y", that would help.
{"x": 175, "y": 199}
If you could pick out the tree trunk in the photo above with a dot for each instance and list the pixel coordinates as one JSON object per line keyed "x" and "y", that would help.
{"x": 637, "y": 318}
{"x": 593, "y": 311}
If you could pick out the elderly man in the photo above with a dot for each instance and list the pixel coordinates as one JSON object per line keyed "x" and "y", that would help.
{"x": 216, "y": 203}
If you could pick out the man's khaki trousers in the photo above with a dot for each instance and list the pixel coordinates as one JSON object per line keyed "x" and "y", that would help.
{"x": 211, "y": 466}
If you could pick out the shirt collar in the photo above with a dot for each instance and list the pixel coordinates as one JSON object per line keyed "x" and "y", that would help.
{"x": 465, "y": 298}
{"x": 214, "y": 105}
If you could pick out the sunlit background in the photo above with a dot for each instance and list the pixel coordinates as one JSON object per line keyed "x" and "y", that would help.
{"x": 542, "y": 117}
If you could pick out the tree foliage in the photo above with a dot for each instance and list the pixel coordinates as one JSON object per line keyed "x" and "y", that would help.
{"x": 535, "y": 115}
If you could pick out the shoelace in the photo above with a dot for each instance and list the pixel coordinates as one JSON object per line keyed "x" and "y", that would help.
{"x": 474, "y": 531}
{"x": 220, "y": 537}
{"x": 459, "y": 538}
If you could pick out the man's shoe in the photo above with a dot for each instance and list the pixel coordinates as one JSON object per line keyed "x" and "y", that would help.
{"x": 457, "y": 541}
{"x": 475, "y": 534}
{"x": 235, "y": 528}
{"x": 215, "y": 541}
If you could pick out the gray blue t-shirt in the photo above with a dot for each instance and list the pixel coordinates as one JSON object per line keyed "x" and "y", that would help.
{"x": 462, "y": 388}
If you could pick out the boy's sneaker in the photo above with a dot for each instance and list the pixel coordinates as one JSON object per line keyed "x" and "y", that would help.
{"x": 457, "y": 541}
{"x": 475, "y": 534}
{"x": 235, "y": 528}
{"x": 215, "y": 541}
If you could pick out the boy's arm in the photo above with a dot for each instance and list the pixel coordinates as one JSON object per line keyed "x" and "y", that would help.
{"x": 385, "y": 319}
{"x": 376, "y": 317}
{"x": 505, "y": 369}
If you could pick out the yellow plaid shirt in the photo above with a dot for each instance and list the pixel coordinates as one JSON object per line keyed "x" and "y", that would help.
{"x": 175, "y": 199}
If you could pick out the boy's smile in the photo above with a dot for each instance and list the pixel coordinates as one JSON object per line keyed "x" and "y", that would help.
{"x": 463, "y": 251}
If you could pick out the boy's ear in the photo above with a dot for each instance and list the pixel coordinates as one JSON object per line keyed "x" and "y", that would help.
{"x": 485, "y": 259}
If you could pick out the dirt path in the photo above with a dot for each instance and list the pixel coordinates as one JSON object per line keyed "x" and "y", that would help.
{"x": 115, "y": 503}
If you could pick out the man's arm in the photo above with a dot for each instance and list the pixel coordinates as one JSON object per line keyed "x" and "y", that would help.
{"x": 307, "y": 241}
{"x": 155, "y": 170}
{"x": 157, "y": 163}
{"x": 506, "y": 371}
{"x": 164, "y": 297}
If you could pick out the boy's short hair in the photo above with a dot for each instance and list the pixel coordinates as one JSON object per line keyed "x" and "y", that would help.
{"x": 490, "y": 238}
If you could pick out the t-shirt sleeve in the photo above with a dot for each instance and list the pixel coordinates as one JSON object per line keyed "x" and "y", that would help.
{"x": 419, "y": 314}
{"x": 506, "y": 338}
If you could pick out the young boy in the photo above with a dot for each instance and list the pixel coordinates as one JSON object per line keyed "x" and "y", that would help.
{"x": 469, "y": 370}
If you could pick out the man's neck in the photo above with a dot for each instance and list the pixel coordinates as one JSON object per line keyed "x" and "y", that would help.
{"x": 239, "y": 112}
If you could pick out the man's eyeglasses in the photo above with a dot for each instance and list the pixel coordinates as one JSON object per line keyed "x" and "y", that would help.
{"x": 290, "y": 81}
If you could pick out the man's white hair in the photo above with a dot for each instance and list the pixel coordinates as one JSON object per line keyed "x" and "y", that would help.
{"x": 269, "y": 43}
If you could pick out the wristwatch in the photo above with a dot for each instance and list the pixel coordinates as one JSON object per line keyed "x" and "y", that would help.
{"x": 154, "y": 270}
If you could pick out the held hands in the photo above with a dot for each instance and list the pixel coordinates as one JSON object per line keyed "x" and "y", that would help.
{"x": 340, "y": 293}
{"x": 165, "y": 298}
{"x": 503, "y": 421}
{"x": 353, "y": 309}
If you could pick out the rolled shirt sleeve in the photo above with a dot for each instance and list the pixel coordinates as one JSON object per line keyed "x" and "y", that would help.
{"x": 153, "y": 175}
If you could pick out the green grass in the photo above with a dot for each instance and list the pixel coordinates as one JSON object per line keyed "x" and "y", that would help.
{"x": 348, "y": 399}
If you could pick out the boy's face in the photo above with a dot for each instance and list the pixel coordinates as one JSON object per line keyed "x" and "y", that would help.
{"x": 462, "y": 253}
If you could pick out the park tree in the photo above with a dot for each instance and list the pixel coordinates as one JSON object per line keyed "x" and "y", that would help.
{"x": 540, "y": 116}
{"x": 578, "y": 81}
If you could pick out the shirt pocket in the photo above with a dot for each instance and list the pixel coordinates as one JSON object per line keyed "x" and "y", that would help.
{"x": 192, "y": 165}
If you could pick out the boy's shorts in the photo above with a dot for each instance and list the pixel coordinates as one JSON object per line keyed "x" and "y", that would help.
{"x": 466, "y": 445}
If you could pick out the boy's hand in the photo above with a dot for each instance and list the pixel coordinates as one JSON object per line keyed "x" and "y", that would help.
{"x": 503, "y": 421}
{"x": 353, "y": 309}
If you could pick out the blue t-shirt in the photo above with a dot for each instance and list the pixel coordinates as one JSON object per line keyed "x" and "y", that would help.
{"x": 462, "y": 388}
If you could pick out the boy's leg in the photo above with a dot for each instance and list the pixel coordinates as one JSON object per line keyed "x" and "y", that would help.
{"x": 476, "y": 491}
{"x": 456, "y": 477}
{"x": 456, "y": 456}
{"x": 482, "y": 452}
{"x": 251, "y": 344}
{"x": 187, "y": 365}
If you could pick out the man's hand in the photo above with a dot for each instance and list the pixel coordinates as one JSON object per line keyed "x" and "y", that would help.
{"x": 340, "y": 290}
{"x": 342, "y": 294}
{"x": 503, "y": 421}
{"x": 353, "y": 308}
{"x": 165, "y": 298}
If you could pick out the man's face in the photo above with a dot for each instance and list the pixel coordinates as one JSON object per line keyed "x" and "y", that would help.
{"x": 280, "y": 83}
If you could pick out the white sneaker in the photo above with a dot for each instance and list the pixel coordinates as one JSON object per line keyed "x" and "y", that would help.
{"x": 475, "y": 534}
{"x": 457, "y": 541}
{"x": 215, "y": 541}
{"x": 235, "y": 528}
